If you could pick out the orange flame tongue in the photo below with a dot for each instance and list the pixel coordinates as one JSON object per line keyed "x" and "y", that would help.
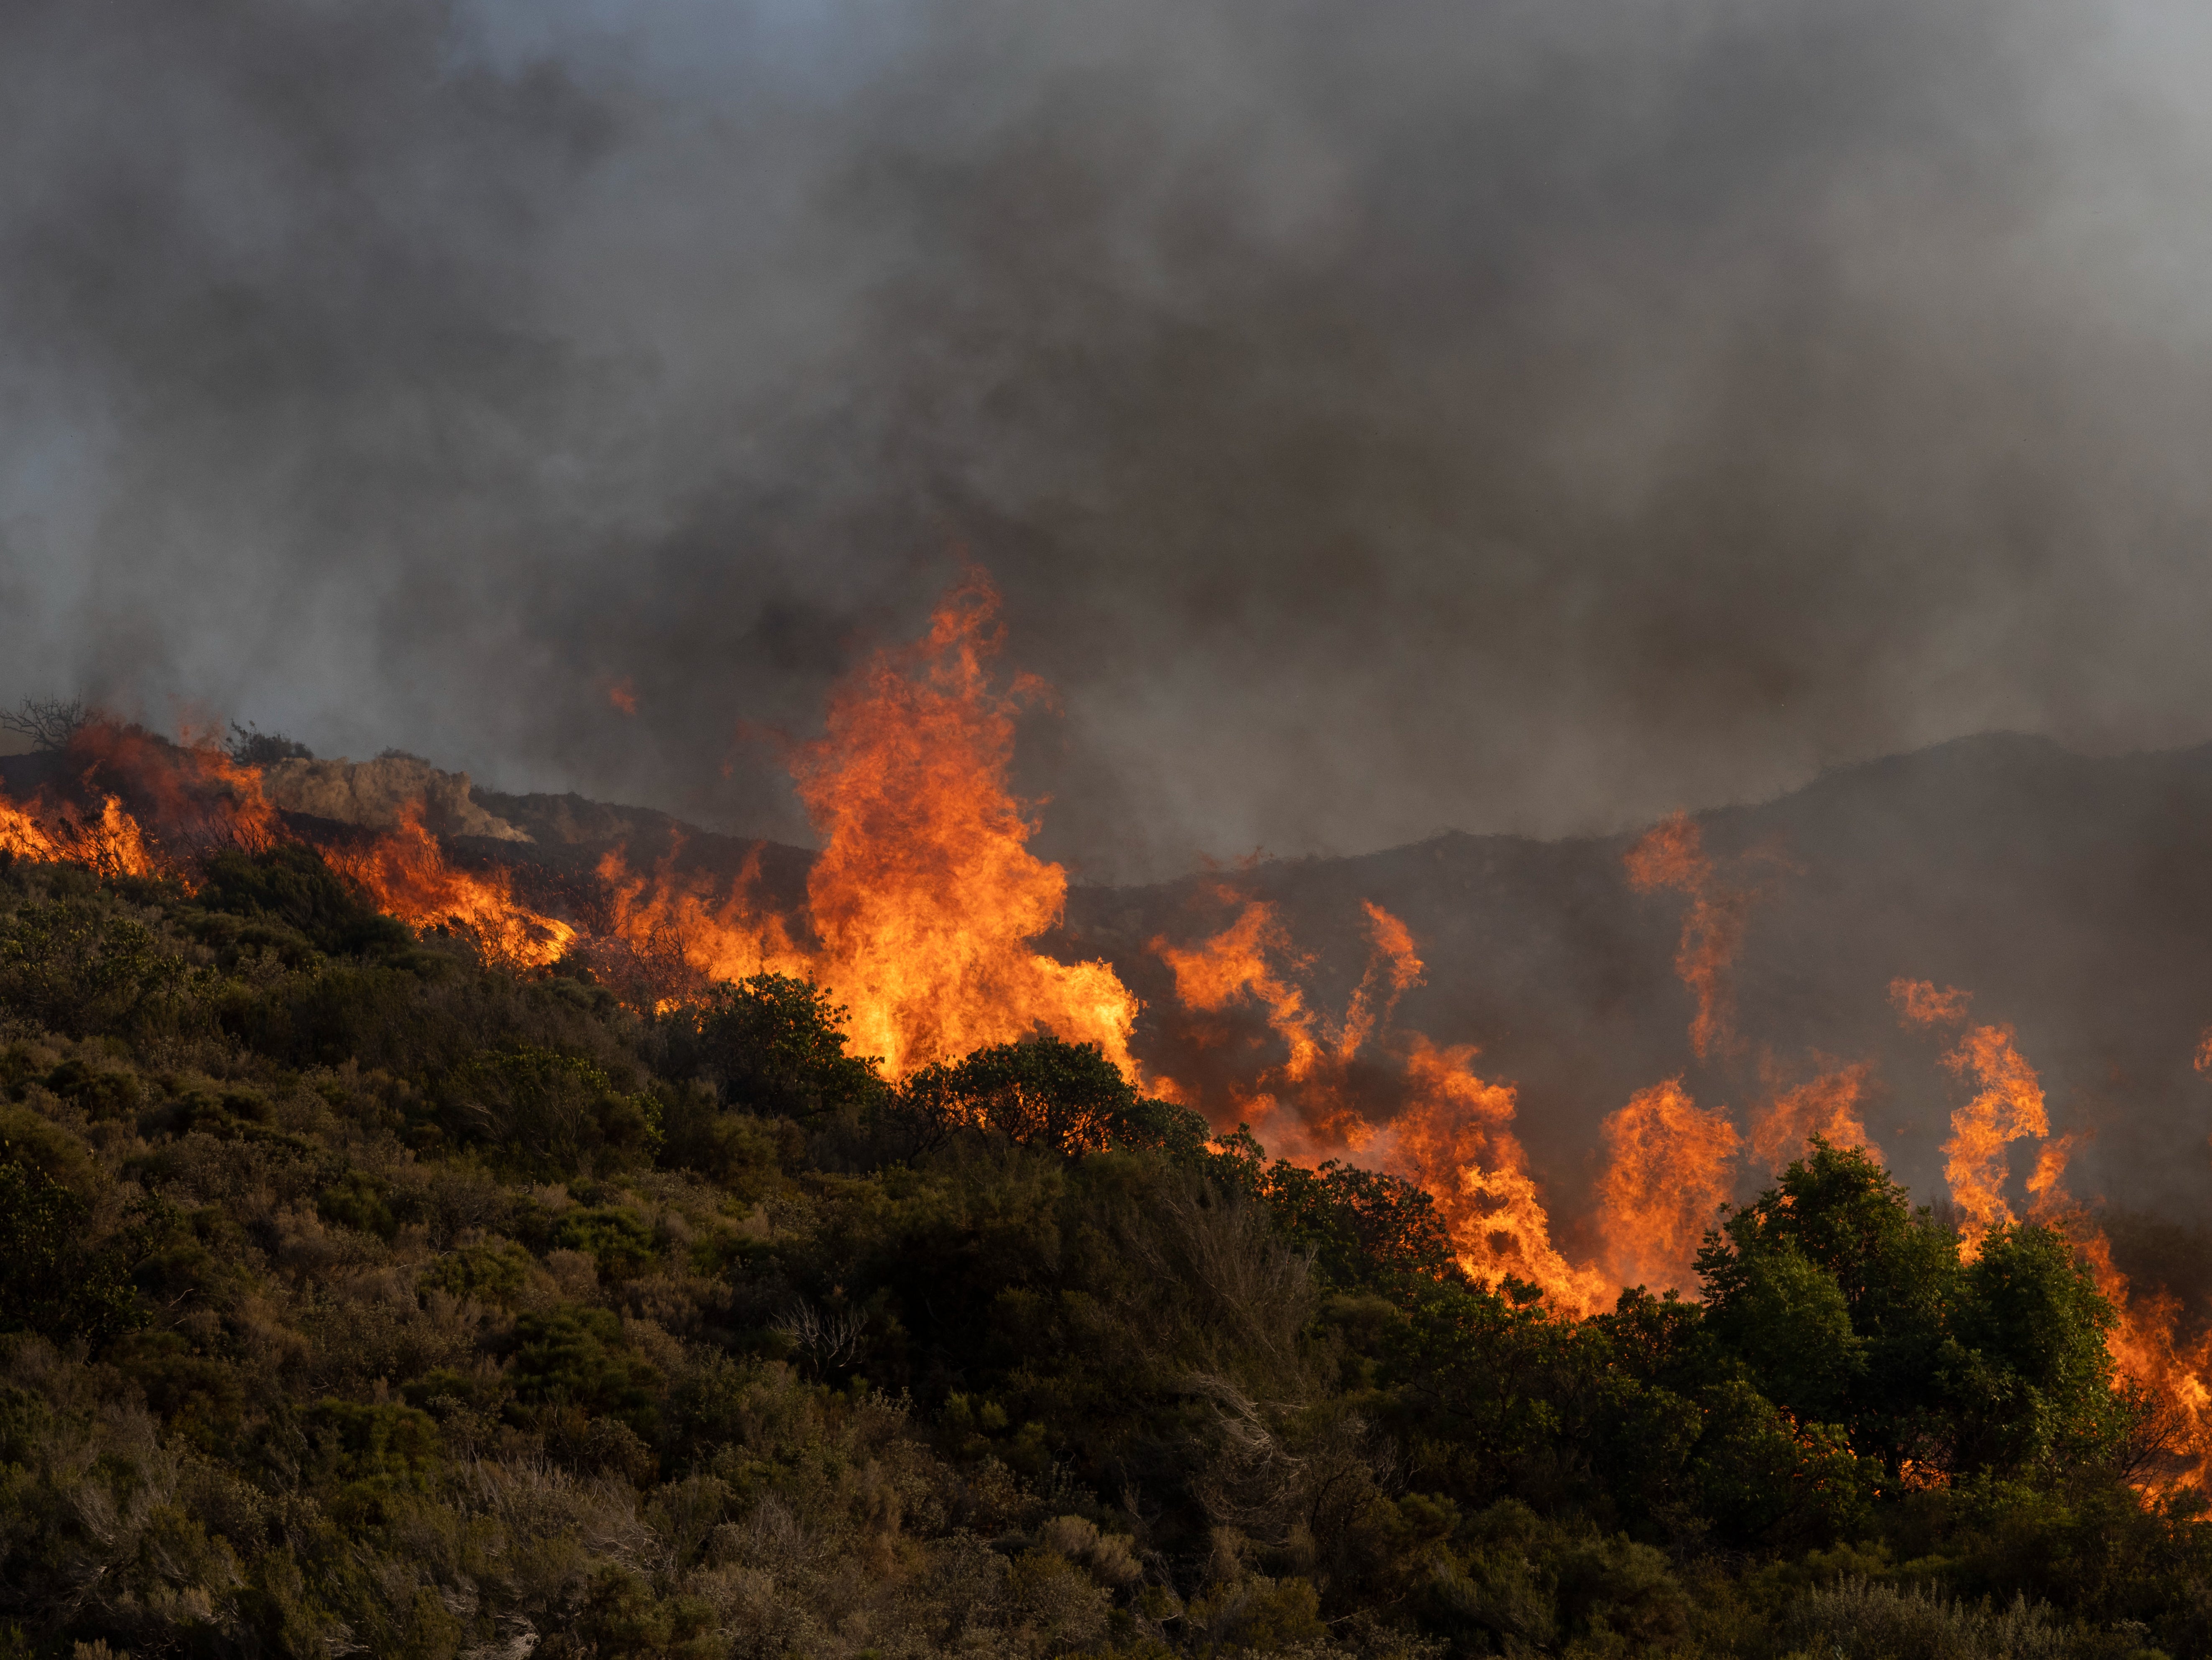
{"x": 407, "y": 873}
{"x": 926, "y": 897}
{"x": 1233, "y": 964}
{"x": 1455, "y": 1141}
{"x": 1453, "y": 1135}
{"x": 2147, "y": 1347}
{"x": 2007, "y": 1107}
{"x": 2145, "y": 1344}
{"x": 1672, "y": 855}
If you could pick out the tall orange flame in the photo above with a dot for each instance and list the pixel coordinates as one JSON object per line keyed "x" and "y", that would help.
{"x": 925, "y": 897}
{"x": 1669, "y": 1169}
{"x": 2008, "y": 1106}
{"x": 2147, "y": 1347}
{"x": 1454, "y": 1139}
{"x": 926, "y": 902}
{"x": 1672, "y": 855}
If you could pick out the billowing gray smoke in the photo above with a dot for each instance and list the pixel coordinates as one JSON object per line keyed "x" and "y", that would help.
{"x": 1513, "y": 414}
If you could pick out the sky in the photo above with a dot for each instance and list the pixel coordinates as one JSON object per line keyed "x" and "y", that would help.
{"x": 1503, "y": 415}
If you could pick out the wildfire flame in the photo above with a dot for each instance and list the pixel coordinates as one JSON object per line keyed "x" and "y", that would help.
{"x": 925, "y": 901}
{"x": 1451, "y": 1136}
{"x": 409, "y": 875}
{"x": 2147, "y": 1347}
{"x": 2007, "y": 1107}
{"x": 193, "y": 797}
{"x": 1672, "y": 855}
{"x": 111, "y": 845}
{"x": 1669, "y": 1170}
{"x": 1827, "y": 1106}
{"x": 1455, "y": 1141}
{"x": 2145, "y": 1344}
{"x": 1233, "y": 965}
{"x": 924, "y": 914}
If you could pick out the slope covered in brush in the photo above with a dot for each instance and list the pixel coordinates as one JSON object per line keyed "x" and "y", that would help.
{"x": 365, "y": 1296}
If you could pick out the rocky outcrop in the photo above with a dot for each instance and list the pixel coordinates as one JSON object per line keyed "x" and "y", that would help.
{"x": 374, "y": 794}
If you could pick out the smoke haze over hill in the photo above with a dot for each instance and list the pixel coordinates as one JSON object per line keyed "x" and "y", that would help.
{"x": 1518, "y": 416}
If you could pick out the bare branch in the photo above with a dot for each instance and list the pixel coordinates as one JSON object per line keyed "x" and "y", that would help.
{"x": 48, "y": 722}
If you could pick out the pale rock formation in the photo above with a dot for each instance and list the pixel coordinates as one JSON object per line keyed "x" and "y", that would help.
{"x": 374, "y": 793}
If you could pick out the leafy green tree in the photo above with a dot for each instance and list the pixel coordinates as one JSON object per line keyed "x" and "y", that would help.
{"x": 2030, "y": 1365}
{"x": 1048, "y": 1094}
{"x": 774, "y": 1045}
{"x": 1364, "y": 1228}
{"x": 1835, "y": 1230}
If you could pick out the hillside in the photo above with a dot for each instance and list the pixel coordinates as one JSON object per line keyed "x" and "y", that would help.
{"x": 370, "y": 1295}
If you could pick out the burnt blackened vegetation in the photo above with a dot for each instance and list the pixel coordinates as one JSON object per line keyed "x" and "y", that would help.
{"x": 366, "y": 1298}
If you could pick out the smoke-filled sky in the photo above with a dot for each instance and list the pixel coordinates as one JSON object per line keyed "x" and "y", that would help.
{"x": 1503, "y": 414}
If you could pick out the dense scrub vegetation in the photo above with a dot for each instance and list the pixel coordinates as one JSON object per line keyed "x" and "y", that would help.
{"x": 364, "y": 1298}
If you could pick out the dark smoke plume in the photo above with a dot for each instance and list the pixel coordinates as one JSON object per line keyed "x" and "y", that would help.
{"x": 1513, "y": 415}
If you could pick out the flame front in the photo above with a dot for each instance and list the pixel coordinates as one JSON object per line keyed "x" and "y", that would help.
{"x": 113, "y": 844}
{"x": 407, "y": 873}
{"x": 925, "y": 909}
